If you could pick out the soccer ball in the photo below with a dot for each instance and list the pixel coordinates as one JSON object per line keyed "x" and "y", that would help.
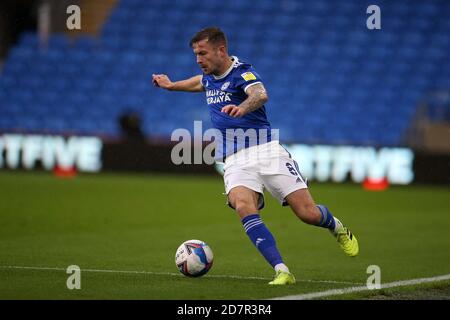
{"x": 194, "y": 258}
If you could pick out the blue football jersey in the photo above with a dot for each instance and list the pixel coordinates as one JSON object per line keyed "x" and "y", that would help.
{"x": 230, "y": 88}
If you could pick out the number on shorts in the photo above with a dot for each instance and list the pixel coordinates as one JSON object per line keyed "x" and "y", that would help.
{"x": 294, "y": 171}
{"x": 291, "y": 169}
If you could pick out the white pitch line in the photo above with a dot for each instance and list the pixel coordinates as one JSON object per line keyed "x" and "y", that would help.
{"x": 166, "y": 274}
{"x": 335, "y": 292}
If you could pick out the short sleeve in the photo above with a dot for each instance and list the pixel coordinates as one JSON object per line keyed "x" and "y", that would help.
{"x": 247, "y": 77}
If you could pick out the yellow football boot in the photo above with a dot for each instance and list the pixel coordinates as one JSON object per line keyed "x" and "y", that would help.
{"x": 347, "y": 241}
{"x": 283, "y": 278}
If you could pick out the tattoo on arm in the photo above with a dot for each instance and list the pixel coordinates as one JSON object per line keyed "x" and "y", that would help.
{"x": 257, "y": 96}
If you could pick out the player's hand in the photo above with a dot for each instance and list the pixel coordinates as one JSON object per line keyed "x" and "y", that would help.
{"x": 233, "y": 111}
{"x": 162, "y": 81}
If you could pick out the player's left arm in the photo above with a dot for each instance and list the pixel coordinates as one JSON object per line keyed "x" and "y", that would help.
{"x": 257, "y": 96}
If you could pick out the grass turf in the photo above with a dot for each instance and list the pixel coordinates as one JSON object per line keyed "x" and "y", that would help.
{"x": 136, "y": 222}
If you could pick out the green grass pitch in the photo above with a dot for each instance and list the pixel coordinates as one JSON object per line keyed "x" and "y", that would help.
{"x": 136, "y": 222}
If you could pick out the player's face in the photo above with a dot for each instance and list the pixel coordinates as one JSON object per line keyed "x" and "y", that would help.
{"x": 209, "y": 57}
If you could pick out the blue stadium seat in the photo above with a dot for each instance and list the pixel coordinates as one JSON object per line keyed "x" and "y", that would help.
{"x": 335, "y": 78}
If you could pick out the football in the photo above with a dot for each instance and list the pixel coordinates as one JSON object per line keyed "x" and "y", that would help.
{"x": 194, "y": 258}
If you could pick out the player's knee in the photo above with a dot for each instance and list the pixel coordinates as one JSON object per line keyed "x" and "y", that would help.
{"x": 245, "y": 203}
{"x": 244, "y": 207}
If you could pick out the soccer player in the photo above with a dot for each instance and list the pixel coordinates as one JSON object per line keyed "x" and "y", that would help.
{"x": 236, "y": 99}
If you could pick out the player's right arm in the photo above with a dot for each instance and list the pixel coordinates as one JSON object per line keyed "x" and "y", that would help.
{"x": 193, "y": 84}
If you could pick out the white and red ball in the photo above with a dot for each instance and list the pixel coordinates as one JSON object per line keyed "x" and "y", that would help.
{"x": 194, "y": 258}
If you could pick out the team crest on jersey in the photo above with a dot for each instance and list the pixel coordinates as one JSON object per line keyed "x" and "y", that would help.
{"x": 248, "y": 76}
{"x": 225, "y": 86}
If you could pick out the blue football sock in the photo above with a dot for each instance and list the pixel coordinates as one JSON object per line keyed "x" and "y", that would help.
{"x": 327, "y": 220}
{"x": 262, "y": 239}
